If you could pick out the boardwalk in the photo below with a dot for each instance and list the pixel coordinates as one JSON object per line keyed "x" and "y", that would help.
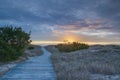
{"x": 37, "y": 68}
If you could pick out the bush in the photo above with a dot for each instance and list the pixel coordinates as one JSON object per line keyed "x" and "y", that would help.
{"x": 13, "y": 41}
{"x": 4, "y": 49}
{"x": 68, "y": 47}
{"x": 30, "y": 47}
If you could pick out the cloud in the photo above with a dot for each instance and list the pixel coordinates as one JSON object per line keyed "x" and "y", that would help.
{"x": 55, "y": 17}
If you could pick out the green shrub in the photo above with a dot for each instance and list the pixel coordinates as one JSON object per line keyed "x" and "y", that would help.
{"x": 13, "y": 41}
{"x": 30, "y": 47}
{"x": 68, "y": 47}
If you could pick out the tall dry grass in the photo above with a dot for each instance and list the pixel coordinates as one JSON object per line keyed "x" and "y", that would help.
{"x": 80, "y": 65}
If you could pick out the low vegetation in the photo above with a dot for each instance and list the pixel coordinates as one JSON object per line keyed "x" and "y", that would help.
{"x": 30, "y": 47}
{"x": 68, "y": 47}
{"x": 13, "y": 41}
{"x": 96, "y": 63}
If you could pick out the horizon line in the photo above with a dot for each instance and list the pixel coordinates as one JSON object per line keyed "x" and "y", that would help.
{"x": 86, "y": 42}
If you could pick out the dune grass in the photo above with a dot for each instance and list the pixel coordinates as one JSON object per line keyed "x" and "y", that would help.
{"x": 69, "y": 47}
{"x": 81, "y": 65}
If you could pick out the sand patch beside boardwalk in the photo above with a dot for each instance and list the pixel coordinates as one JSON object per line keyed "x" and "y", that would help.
{"x": 4, "y": 67}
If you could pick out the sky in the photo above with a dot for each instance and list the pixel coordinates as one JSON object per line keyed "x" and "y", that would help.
{"x": 57, "y": 20}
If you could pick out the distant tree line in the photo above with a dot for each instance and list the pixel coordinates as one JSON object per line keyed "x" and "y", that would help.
{"x": 13, "y": 41}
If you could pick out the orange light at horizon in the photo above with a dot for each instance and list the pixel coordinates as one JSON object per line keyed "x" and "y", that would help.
{"x": 70, "y": 38}
{"x": 46, "y": 42}
{"x": 59, "y": 42}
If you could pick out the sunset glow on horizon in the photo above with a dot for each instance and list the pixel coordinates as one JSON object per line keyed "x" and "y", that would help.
{"x": 70, "y": 38}
{"x": 60, "y": 42}
{"x": 55, "y": 21}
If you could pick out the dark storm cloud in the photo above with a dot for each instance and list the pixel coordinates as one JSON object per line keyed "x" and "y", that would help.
{"x": 50, "y": 11}
{"x": 61, "y": 15}
{"x": 110, "y": 10}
